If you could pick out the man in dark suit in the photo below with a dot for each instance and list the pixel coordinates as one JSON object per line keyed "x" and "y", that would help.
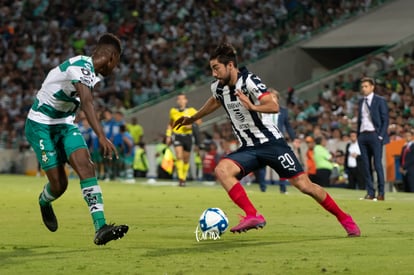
{"x": 407, "y": 162}
{"x": 372, "y": 136}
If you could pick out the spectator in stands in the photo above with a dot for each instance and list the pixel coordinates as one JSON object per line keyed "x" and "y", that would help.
{"x": 403, "y": 61}
{"x": 310, "y": 160}
{"x": 350, "y": 84}
{"x": 179, "y": 76}
{"x": 407, "y": 161}
{"x": 370, "y": 67}
{"x": 323, "y": 161}
{"x": 164, "y": 159}
{"x": 108, "y": 123}
{"x": 210, "y": 160}
{"x": 338, "y": 177}
{"x": 387, "y": 60}
{"x": 327, "y": 92}
{"x": 353, "y": 164}
{"x": 334, "y": 139}
{"x": 118, "y": 121}
{"x": 140, "y": 164}
{"x": 372, "y": 136}
{"x": 124, "y": 142}
{"x": 165, "y": 81}
{"x": 136, "y": 130}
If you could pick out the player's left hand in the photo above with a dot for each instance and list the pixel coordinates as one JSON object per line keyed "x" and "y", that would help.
{"x": 244, "y": 100}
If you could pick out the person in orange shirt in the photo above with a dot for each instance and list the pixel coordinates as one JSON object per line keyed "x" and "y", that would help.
{"x": 310, "y": 162}
{"x": 407, "y": 162}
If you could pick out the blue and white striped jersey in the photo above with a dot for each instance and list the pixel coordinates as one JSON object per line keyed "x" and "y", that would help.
{"x": 251, "y": 128}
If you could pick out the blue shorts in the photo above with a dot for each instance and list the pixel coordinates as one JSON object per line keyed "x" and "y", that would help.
{"x": 278, "y": 155}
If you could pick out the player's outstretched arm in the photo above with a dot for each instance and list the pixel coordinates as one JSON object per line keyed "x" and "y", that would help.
{"x": 210, "y": 106}
{"x": 268, "y": 103}
{"x": 86, "y": 99}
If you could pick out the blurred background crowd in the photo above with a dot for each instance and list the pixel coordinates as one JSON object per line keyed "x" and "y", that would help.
{"x": 166, "y": 46}
{"x": 166, "y": 43}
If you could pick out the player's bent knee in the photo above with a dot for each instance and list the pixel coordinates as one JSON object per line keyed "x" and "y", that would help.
{"x": 58, "y": 180}
{"x": 226, "y": 168}
{"x": 85, "y": 170}
{"x": 219, "y": 172}
{"x": 58, "y": 186}
{"x": 303, "y": 184}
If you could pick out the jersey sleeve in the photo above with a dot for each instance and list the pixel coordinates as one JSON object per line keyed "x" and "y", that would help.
{"x": 83, "y": 75}
{"x": 255, "y": 86}
{"x": 213, "y": 88}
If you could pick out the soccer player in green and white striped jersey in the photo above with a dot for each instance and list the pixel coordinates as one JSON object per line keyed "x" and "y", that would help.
{"x": 55, "y": 138}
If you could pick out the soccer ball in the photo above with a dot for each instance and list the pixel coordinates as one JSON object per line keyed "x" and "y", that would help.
{"x": 213, "y": 220}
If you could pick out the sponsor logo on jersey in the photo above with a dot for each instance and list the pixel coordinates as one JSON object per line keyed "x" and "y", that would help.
{"x": 238, "y": 115}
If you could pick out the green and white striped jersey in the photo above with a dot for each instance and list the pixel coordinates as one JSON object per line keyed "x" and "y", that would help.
{"x": 57, "y": 101}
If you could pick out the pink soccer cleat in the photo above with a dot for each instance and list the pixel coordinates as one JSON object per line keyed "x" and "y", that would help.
{"x": 351, "y": 227}
{"x": 249, "y": 222}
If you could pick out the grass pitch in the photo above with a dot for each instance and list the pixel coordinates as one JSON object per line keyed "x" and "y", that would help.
{"x": 299, "y": 238}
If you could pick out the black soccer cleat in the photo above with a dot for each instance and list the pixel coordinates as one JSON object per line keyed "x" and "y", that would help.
{"x": 49, "y": 218}
{"x": 110, "y": 232}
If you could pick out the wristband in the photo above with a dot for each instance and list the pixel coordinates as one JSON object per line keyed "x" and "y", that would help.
{"x": 168, "y": 132}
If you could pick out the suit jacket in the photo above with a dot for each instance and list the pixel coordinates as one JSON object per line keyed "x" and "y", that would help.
{"x": 409, "y": 157}
{"x": 379, "y": 115}
{"x": 347, "y": 155}
{"x": 283, "y": 123}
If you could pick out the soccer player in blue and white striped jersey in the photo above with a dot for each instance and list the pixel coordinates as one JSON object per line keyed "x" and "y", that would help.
{"x": 248, "y": 104}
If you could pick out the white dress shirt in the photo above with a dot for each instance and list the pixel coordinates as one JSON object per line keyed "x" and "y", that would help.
{"x": 366, "y": 120}
{"x": 353, "y": 149}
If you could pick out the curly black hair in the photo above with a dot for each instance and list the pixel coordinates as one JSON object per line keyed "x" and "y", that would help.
{"x": 110, "y": 39}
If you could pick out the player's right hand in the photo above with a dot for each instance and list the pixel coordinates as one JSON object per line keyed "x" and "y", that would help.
{"x": 108, "y": 148}
{"x": 184, "y": 120}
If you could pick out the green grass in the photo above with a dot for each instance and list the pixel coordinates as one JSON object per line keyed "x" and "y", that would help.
{"x": 299, "y": 238}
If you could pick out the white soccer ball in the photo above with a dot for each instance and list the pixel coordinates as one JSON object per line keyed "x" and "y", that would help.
{"x": 213, "y": 220}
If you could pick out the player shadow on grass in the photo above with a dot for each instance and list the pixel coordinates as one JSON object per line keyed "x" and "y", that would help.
{"x": 221, "y": 245}
{"x": 14, "y": 254}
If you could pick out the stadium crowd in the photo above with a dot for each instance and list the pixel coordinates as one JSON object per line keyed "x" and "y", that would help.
{"x": 168, "y": 51}
{"x": 165, "y": 43}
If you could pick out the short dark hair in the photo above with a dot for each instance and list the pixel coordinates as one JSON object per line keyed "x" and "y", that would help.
{"x": 110, "y": 39}
{"x": 225, "y": 53}
{"x": 369, "y": 80}
{"x": 318, "y": 140}
{"x": 339, "y": 153}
